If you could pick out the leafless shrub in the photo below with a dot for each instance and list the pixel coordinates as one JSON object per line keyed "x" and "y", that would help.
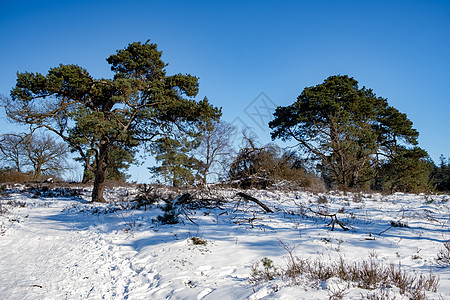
{"x": 368, "y": 274}
{"x": 264, "y": 166}
{"x": 337, "y": 293}
{"x": 443, "y": 257}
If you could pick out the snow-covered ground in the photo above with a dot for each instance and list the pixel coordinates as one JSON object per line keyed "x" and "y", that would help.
{"x": 64, "y": 247}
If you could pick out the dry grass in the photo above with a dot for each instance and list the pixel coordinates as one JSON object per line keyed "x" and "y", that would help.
{"x": 198, "y": 241}
{"x": 369, "y": 274}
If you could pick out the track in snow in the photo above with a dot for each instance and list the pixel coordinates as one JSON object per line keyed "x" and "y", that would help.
{"x": 52, "y": 252}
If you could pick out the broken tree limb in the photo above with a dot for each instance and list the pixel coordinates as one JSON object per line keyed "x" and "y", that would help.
{"x": 253, "y": 199}
{"x": 334, "y": 219}
{"x": 249, "y": 220}
{"x": 385, "y": 230}
{"x": 182, "y": 199}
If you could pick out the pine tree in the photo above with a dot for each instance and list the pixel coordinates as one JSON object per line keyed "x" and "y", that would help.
{"x": 129, "y": 110}
{"x": 178, "y": 166}
{"x": 347, "y": 130}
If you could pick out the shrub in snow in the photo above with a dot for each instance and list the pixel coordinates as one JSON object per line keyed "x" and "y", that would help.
{"x": 443, "y": 257}
{"x": 146, "y": 196}
{"x": 170, "y": 215}
{"x": 198, "y": 241}
{"x": 263, "y": 270}
{"x": 368, "y": 274}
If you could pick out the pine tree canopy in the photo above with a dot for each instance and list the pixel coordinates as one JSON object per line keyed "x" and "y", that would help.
{"x": 137, "y": 106}
{"x": 348, "y": 130}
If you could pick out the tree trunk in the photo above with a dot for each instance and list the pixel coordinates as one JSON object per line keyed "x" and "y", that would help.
{"x": 100, "y": 173}
{"x": 204, "y": 176}
{"x": 86, "y": 175}
{"x": 37, "y": 172}
{"x": 355, "y": 179}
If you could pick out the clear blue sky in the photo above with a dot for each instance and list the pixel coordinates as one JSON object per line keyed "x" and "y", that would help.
{"x": 240, "y": 49}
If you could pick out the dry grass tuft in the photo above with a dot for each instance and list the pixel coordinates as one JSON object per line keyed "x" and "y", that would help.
{"x": 369, "y": 274}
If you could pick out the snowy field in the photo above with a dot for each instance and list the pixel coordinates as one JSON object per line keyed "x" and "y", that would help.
{"x": 57, "y": 246}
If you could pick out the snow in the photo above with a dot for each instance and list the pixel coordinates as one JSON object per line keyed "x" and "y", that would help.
{"x": 55, "y": 245}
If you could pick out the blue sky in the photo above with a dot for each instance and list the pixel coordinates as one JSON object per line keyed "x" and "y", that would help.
{"x": 251, "y": 55}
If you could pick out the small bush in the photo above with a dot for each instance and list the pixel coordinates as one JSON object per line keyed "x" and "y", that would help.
{"x": 170, "y": 214}
{"x": 263, "y": 271}
{"x": 198, "y": 241}
{"x": 443, "y": 257}
{"x": 428, "y": 199}
{"x": 268, "y": 165}
{"x": 146, "y": 196}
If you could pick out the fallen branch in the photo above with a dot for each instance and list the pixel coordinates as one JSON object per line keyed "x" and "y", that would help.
{"x": 249, "y": 220}
{"x": 385, "y": 230}
{"x": 37, "y": 285}
{"x": 253, "y": 199}
{"x": 334, "y": 219}
{"x": 182, "y": 199}
{"x": 395, "y": 224}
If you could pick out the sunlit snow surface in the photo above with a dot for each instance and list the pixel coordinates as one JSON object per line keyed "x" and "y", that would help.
{"x": 56, "y": 246}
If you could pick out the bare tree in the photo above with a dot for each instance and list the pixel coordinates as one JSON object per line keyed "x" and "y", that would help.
{"x": 262, "y": 166}
{"x": 10, "y": 150}
{"x": 41, "y": 154}
{"x": 215, "y": 150}
{"x": 45, "y": 155}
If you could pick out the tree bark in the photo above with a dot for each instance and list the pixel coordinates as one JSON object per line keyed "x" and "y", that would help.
{"x": 253, "y": 199}
{"x": 85, "y": 175}
{"x": 100, "y": 173}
